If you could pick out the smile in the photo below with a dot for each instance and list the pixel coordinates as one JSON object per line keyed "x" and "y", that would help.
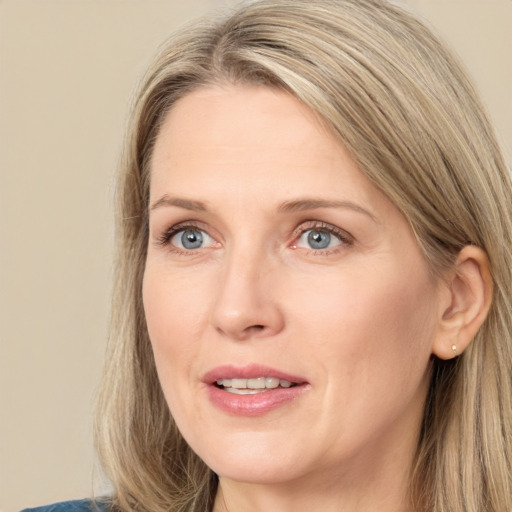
{"x": 252, "y": 390}
{"x": 253, "y": 386}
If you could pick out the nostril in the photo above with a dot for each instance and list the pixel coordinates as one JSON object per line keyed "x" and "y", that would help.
{"x": 255, "y": 328}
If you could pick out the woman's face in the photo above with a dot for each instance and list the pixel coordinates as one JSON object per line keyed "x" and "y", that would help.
{"x": 289, "y": 307}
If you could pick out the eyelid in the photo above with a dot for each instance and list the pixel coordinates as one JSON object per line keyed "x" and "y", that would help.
{"x": 164, "y": 238}
{"x": 344, "y": 236}
{"x": 346, "y": 239}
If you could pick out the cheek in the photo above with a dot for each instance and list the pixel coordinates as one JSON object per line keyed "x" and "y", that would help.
{"x": 372, "y": 342}
{"x": 174, "y": 305}
{"x": 172, "y": 308}
{"x": 369, "y": 326}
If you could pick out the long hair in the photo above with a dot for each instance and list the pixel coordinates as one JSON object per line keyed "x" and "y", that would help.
{"x": 405, "y": 110}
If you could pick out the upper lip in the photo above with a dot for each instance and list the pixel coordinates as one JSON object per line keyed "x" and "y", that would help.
{"x": 251, "y": 371}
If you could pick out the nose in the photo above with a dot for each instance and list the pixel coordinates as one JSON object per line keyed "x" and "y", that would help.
{"x": 247, "y": 304}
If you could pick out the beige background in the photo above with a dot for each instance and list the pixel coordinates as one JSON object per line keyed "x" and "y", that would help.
{"x": 67, "y": 70}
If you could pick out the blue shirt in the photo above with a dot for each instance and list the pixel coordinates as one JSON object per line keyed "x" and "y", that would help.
{"x": 72, "y": 506}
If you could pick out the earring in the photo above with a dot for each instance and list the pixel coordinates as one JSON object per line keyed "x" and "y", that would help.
{"x": 454, "y": 348}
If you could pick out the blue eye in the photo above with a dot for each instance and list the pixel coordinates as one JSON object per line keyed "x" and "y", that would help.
{"x": 318, "y": 239}
{"x": 191, "y": 239}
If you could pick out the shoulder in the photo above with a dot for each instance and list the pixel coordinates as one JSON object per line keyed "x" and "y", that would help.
{"x": 73, "y": 506}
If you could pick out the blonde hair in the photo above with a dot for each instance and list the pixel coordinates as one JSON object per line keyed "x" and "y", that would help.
{"x": 406, "y": 111}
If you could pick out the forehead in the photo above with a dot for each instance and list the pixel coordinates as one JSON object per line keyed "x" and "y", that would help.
{"x": 256, "y": 137}
{"x": 243, "y": 115}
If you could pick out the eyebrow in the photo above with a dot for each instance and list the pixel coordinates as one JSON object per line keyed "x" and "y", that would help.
{"x": 313, "y": 204}
{"x": 298, "y": 205}
{"x": 187, "y": 204}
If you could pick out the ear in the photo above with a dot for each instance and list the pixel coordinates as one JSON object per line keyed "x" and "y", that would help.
{"x": 465, "y": 304}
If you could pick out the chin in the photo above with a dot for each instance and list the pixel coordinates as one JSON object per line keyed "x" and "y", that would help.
{"x": 259, "y": 474}
{"x": 253, "y": 462}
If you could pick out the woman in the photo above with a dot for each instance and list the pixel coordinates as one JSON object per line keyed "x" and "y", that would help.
{"x": 312, "y": 306}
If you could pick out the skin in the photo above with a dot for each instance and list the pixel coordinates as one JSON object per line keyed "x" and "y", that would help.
{"x": 358, "y": 321}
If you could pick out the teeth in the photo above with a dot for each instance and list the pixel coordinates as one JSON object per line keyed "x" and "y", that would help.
{"x": 272, "y": 382}
{"x": 258, "y": 383}
{"x": 239, "y": 383}
{"x": 237, "y": 391}
{"x": 252, "y": 386}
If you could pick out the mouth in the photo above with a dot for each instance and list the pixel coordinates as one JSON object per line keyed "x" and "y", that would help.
{"x": 252, "y": 390}
{"x": 250, "y": 379}
{"x": 253, "y": 386}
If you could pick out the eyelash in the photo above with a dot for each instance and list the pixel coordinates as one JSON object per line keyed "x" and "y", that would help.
{"x": 346, "y": 240}
{"x": 164, "y": 240}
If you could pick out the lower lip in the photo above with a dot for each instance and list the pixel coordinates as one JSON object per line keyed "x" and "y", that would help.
{"x": 257, "y": 404}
